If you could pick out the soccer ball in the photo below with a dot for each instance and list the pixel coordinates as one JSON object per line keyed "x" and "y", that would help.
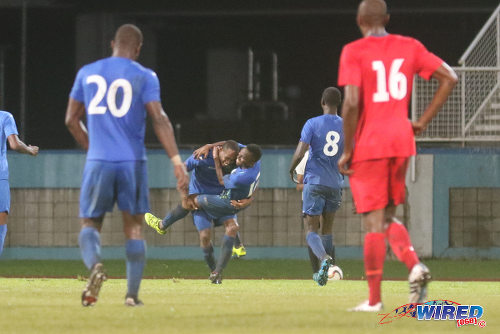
{"x": 335, "y": 273}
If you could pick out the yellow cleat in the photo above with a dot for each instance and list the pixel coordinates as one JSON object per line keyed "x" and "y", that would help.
{"x": 154, "y": 222}
{"x": 239, "y": 252}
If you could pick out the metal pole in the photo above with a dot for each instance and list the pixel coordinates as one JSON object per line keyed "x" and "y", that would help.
{"x": 22, "y": 88}
{"x": 462, "y": 105}
{"x": 250, "y": 74}
{"x": 275, "y": 77}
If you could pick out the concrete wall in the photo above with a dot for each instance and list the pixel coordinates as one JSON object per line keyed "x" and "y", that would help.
{"x": 453, "y": 208}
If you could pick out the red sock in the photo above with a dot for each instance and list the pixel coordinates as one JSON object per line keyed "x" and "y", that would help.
{"x": 400, "y": 242}
{"x": 374, "y": 255}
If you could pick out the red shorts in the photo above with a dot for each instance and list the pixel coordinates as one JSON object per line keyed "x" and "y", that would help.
{"x": 377, "y": 183}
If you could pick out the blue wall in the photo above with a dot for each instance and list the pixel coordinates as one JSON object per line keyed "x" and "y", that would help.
{"x": 63, "y": 169}
{"x": 454, "y": 169}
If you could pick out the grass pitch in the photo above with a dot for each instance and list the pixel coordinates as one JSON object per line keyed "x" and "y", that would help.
{"x": 236, "y": 306}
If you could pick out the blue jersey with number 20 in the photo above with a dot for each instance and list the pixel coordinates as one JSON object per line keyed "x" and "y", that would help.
{"x": 325, "y": 137}
{"x": 115, "y": 91}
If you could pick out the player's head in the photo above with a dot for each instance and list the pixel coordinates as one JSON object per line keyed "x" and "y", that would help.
{"x": 248, "y": 156}
{"x": 127, "y": 41}
{"x": 228, "y": 153}
{"x": 372, "y": 14}
{"x": 330, "y": 99}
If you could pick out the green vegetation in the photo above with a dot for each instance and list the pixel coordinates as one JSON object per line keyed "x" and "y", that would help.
{"x": 255, "y": 269}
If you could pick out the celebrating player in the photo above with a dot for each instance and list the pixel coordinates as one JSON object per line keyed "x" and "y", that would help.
{"x": 203, "y": 181}
{"x": 8, "y": 132}
{"x": 115, "y": 93}
{"x": 322, "y": 191}
{"x": 377, "y": 74}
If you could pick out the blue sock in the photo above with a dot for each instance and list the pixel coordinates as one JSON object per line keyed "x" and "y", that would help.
{"x": 237, "y": 240}
{"x": 90, "y": 246}
{"x": 226, "y": 252}
{"x": 3, "y": 233}
{"x": 327, "y": 240}
{"x": 136, "y": 258}
{"x": 176, "y": 214}
{"x": 209, "y": 257}
{"x": 314, "y": 241}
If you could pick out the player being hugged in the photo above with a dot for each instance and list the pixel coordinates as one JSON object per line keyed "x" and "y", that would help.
{"x": 322, "y": 192}
{"x": 115, "y": 94}
{"x": 377, "y": 73}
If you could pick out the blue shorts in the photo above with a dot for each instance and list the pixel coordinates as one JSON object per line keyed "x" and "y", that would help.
{"x": 217, "y": 207}
{"x": 4, "y": 196}
{"x": 202, "y": 220}
{"x": 317, "y": 199}
{"x": 105, "y": 183}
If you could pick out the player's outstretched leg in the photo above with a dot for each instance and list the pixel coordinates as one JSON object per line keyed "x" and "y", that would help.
{"x": 136, "y": 258}
{"x": 224, "y": 257}
{"x": 94, "y": 284}
{"x": 419, "y": 278}
{"x": 208, "y": 255}
{"x": 155, "y": 223}
{"x": 314, "y": 241}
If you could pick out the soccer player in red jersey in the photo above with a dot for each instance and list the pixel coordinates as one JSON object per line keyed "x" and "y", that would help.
{"x": 377, "y": 72}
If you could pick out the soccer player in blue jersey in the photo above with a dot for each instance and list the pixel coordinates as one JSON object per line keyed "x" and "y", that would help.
{"x": 240, "y": 184}
{"x": 115, "y": 94}
{"x": 323, "y": 137}
{"x": 203, "y": 181}
{"x": 8, "y": 132}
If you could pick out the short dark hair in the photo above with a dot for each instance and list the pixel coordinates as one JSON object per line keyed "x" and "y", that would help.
{"x": 255, "y": 151}
{"x": 331, "y": 97}
{"x": 232, "y": 145}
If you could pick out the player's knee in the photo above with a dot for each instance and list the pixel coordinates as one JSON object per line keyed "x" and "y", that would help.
{"x": 232, "y": 229}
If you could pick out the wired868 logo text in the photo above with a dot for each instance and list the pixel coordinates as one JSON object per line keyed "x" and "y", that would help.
{"x": 438, "y": 310}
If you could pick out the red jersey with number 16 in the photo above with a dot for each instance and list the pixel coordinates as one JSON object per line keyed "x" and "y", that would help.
{"x": 383, "y": 68}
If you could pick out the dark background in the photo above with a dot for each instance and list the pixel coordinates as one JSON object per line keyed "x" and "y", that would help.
{"x": 307, "y": 36}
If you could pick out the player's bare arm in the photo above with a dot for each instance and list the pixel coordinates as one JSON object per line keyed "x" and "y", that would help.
{"x": 165, "y": 134}
{"x": 202, "y": 152}
{"x": 447, "y": 79}
{"x": 19, "y": 146}
{"x": 350, "y": 113}
{"x": 75, "y": 112}
{"x": 297, "y": 157}
{"x": 218, "y": 165}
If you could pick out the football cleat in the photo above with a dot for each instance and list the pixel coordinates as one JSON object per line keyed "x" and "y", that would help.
{"x": 419, "y": 277}
{"x": 154, "y": 222}
{"x": 132, "y": 301}
{"x": 321, "y": 277}
{"x": 91, "y": 291}
{"x": 215, "y": 278}
{"x": 239, "y": 252}
{"x": 366, "y": 307}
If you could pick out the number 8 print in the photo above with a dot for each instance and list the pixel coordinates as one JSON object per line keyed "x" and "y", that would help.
{"x": 332, "y": 139}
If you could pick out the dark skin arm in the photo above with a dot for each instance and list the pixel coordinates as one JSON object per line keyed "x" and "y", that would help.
{"x": 447, "y": 79}
{"x": 350, "y": 113}
{"x": 74, "y": 115}
{"x": 297, "y": 156}
{"x": 19, "y": 146}
{"x": 218, "y": 165}
{"x": 202, "y": 152}
{"x": 165, "y": 134}
{"x": 300, "y": 185}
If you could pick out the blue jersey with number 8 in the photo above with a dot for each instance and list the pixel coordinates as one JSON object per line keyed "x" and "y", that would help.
{"x": 325, "y": 137}
{"x": 115, "y": 91}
